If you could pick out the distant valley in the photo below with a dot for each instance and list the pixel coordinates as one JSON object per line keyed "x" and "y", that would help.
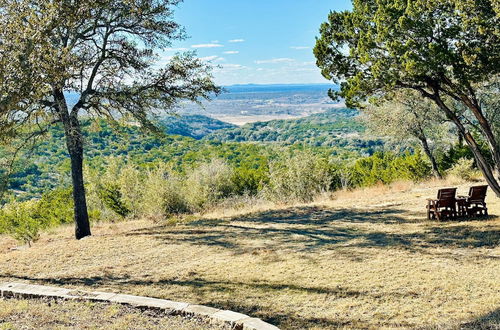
{"x": 241, "y": 104}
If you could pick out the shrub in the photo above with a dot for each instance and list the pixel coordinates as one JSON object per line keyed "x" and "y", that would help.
{"x": 163, "y": 194}
{"x": 386, "y": 167}
{"x": 129, "y": 180}
{"x": 111, "y": 196}
{"x": 115, "y": 190}
{"x": 56, "y": 207}
{"x": 249, "y": 181}
{"x": 341, "y": 176}
{"x": 464, "y": 170}
{"x": 20, "y": 220}
{"x": 411, "y": 167}
{"x": 209, "y": 183}
{"x": 451, "y": 157}
{"x": 372, "y": 170}
{"x": 300, "y": 177}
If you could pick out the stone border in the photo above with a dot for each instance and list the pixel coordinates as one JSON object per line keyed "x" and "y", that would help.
{"x": 235, "y": 320}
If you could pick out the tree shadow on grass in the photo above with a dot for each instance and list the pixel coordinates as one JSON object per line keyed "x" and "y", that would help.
{"x": 490, "y": 320}
{"x": 195, "y": 283}
{"x": 307, "y": 229}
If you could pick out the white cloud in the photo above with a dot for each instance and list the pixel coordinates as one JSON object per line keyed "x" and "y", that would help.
{"x": 213, "y": 58}
{"x": 300, "y": 47}
{"x": 207, "y": 46}
{"x": 237, "y": 40}
{"x": 233, "y": 66}
{"x": 275, "y": 60}
{"x": 181, "y": 49}
{"x": 230, "y": 52}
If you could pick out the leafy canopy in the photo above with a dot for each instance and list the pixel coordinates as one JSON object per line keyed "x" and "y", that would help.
{"x": 385, "y": 44}
{"x": 107, "y": 51}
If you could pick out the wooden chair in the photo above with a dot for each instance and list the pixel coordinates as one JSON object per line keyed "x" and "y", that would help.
{"x": 475, "y": 202}
{"x": 444, "y": 207}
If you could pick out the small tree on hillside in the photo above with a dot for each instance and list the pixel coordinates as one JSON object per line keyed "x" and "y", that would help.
{"x": 444, "y": 49}
{"x": 104, "y": 52}
{"x": 406, "y": 118}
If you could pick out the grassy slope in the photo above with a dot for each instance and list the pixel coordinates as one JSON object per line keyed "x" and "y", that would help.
{"x": 48, "y": 314}
{"x": 364, "y": 259}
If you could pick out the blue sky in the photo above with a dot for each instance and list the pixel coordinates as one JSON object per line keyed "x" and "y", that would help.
{"x": 255, "y": 41}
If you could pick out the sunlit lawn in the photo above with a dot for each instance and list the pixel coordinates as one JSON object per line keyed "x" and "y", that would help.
{"x": 364, "y": 259}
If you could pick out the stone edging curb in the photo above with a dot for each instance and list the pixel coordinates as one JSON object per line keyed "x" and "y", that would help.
{"x": 215, "y": 316}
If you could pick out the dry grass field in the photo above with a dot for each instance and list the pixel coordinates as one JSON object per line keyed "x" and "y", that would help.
{"x": 361, "y": 259}
{"x": 48, "y": 314}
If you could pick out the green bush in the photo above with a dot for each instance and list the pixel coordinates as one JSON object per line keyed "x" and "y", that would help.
{"x": 163, "y": 194}
{"x": 386, "y": 167}
{"x": 21, "y": 221}
{"x": 412, "y": 167}
{"x": 114, "y": 189}
{"x": 299, "y": 177}
{"x": 464, "y": 169}
{"x": 449, "y": 158}
{"x": 249, "y": 181}
{"x": 111, "y": 196}
{"x": 56, "y": 207}
{"x": 209, "y": 183}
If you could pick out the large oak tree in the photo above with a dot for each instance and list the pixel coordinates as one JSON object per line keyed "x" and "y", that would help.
{"x": 104, "y": 51}
{"x": 444, "y": 49}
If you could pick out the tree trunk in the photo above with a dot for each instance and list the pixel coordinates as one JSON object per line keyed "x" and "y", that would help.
{"x": 481, "y": 161}
{"x": 460, "y": 139}
{"x": 74, "y": 143}
{"x": 82, "y": 225}
{"x": 428, "y": 152}
{"x": 487, "y": 133}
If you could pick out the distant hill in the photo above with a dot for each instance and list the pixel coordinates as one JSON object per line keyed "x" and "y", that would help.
{"x": 335, "y": 127}
{"x": 195, "y": 126}
{"x": 278, "y": 88}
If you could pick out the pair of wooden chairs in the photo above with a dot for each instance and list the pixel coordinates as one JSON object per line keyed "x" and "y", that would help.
{"x": 449, "y": 206}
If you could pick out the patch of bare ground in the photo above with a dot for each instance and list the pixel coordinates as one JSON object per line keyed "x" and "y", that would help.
{"x": 361, "y": 259}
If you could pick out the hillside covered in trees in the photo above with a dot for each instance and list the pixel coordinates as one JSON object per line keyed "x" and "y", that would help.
{"x": 332, "y": 128}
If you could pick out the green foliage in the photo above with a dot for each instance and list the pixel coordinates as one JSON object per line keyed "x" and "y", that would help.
{"x": 386, "y": 167}
{"x": 250, "y": 180}
{"x": 195, "y": 126}
{"x": 451, "y": 157}
{"x": 464, "y": 169}
{"x": 21, "y": 221}
{"x": 56, "y": 207}
{"x": 298, "y": 177}
{"x": 24, "y": 220}
{"x": 335, "y": 128}
{"x": 209, "y": 183}
{"x": 163, "y": 194}
{"x": 111, "y": 196}
{"x": 394, "y": 44}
